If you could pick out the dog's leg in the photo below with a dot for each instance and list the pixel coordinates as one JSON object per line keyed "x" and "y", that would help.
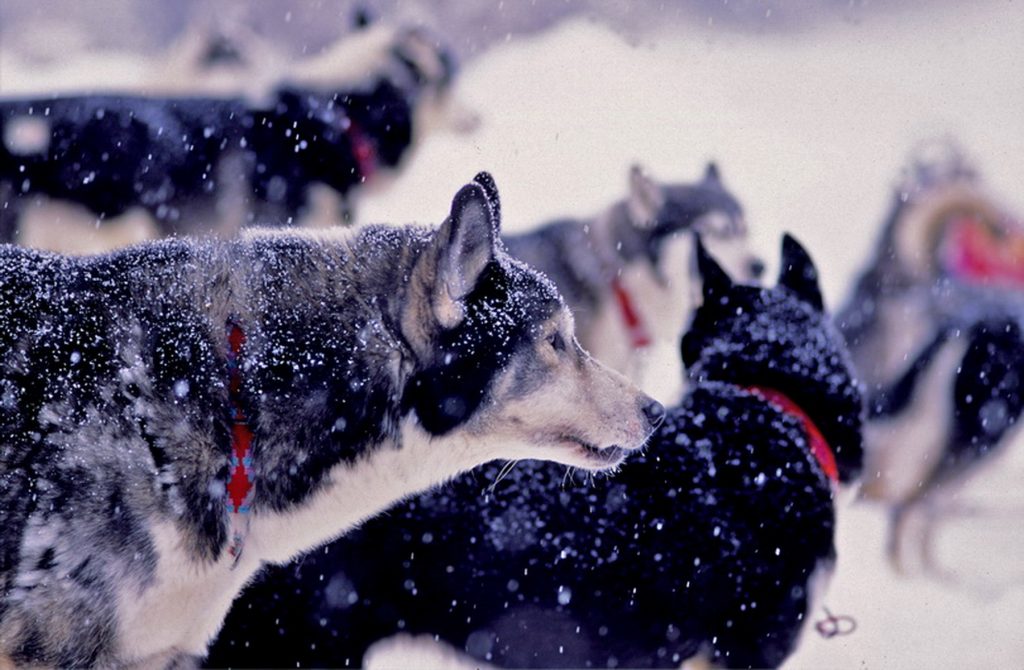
{"x": 9, "y": 212}
{"x": 898, "y": 516}
{"x": 929, "y": 562}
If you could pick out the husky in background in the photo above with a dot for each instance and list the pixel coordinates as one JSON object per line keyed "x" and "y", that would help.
{"x": 175, "y": 415}
{"x": 195, "y": 165}
{"x": 934, "y": 329}
{"x": 712, "y": 542}
{"x": 222, "y": 54}
{"x": 298, "y": 151}
{"x": 629, "y": 275}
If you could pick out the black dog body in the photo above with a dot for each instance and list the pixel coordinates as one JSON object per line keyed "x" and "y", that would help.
{"x": 708, "y": 543}
{"x": 112, "y": 153}
{"x": 180, "y": 158}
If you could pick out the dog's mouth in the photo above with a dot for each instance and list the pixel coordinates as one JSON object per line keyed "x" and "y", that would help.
{"x": 601, "y": 457}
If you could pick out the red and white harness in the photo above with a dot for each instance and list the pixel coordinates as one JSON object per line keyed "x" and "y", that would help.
{"x": 240, "y": 483}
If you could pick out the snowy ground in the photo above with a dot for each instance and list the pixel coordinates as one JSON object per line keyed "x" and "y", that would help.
{"x": 810, "y": 130}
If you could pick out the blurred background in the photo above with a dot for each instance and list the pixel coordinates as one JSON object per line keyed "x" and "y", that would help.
{"x": 810, "y": 108}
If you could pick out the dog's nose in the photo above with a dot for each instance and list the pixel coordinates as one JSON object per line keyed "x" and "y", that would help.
{"x": 655, "y": 413}
{"x": 756, "y": 268}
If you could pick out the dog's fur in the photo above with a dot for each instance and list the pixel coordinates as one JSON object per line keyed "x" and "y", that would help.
{"x": 645, "y": 243}
{"x": 376, "y": 365}
{"x": 710, "y": 542}
{"x": 934, "y": 331}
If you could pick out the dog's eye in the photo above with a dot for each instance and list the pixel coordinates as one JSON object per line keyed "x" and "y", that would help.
{"x": 556, "y": 341}
{"x": 714, "y": 226}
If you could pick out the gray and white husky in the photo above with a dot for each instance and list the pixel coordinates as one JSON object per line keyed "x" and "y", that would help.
{"x": 174, "y": 415}
{"x": 630, "y": 273}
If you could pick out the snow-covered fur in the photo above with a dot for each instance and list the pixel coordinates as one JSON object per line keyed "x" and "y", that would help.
{"x": 375, "y": 365}
{"x": 711, "y": 542}
{"x": 933, "y": 325}
{"x": 641, "y": 246}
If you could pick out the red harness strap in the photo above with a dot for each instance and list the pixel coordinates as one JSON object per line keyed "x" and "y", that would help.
{"x": 639, "y": 336}
{"x": 819, "y": 446}
{"x": 240, "y": 486}
{"x": 363, "y": 149}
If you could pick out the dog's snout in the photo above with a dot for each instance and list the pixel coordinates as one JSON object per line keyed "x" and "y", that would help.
{"x": 756, "y": 267}
{"x": 654, "y": 411}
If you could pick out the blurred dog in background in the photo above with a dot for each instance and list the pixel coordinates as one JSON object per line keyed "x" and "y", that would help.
{"x": 296, "y": 152}
{"x": 630, "y": 274}
{"x": 933, "y": 325}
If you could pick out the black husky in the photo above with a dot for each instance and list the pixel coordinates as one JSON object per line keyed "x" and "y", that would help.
{"x": 197, "y": 164}
{"x": 707, "y": 544}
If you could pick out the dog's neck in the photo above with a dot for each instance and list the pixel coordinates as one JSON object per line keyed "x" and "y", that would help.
{"x": 353, "y": 492}
{"x": 348, "y": 451}
{"x": 816, "y": 441}
{"x": 341, "y": 349}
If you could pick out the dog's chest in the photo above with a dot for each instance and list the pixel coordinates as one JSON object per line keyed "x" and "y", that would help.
{"x": 183, "y": 607}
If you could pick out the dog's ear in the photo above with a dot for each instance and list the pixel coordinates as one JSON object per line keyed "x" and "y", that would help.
{"x": 486, "y": 181}
{"x": 715, "y": 281}
{"x": 465, "y": 244}
{"x": 362, "y": 17}
{"x": 645, "y": 198}
{"x": 711, "y": 174}
{"x": 690, "y": 348}
{"x": 798, "y": 272}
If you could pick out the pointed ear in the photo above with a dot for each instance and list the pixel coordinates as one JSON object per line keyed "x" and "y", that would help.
{"x": 465, "y": 244}
{"x": 486, "y": 181}
{"x": 645, "y": 198}
{"x": 711, "y": 175}
{"x": 798, "y": 272}
{"x": 715, "y": 281}
{"x": 362, "y": 17}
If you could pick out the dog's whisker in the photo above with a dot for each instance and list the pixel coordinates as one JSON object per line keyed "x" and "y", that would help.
{"x": 502, "y": 473}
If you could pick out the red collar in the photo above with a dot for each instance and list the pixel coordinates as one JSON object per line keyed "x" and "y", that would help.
{"x": 363, "y": 149}
{"x": 816, "y": 441}
{"x": 639, "y": 336}
{"x": 240, "y": 484}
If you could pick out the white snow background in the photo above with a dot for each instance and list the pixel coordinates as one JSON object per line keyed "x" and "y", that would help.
{"x": 810, "y": 129}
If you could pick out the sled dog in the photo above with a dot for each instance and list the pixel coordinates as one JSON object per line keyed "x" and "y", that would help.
{"x": 177, "y": 414}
